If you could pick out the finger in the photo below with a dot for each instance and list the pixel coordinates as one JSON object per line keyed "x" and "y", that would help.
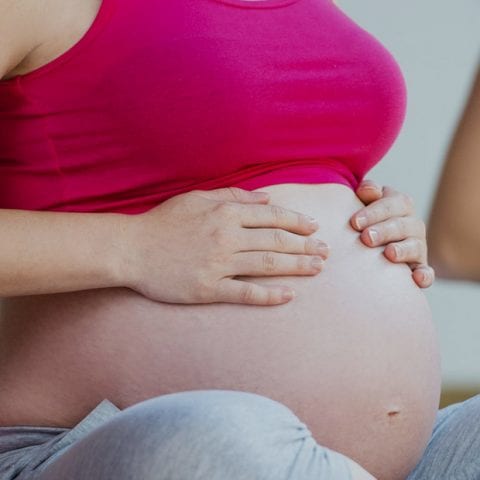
{"x": 276, "y": 217}
{"x": 272, "y": 263}
{"x": 424, "y": 276}
{"x": 239, "y": 291}
{"x": 412, "y": 250}
{"x": 393, "y": 230}
{"x": 234, "y": 194}
{"x": 368, "y": 191}
{"x": 393, "y": 204}
{"x": 277, "y": 240}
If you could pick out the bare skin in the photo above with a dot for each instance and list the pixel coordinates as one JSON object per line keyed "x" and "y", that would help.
{"x": 353, "y": 354}
{"x": 453, "y": 231}
{"x": 34, "y": 326}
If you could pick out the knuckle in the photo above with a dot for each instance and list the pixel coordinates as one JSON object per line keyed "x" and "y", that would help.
{"x": 224, "y": 209}
{"x": 389, "y": 209}
{"x": 247, "y": 293}
{"x": 278, "y": 213}
{"x": 219, "y": 236}
{"x": 268, "y": 262}
{"x": 310, "y": 245}
{"x": 304, "y": 263}
{"x": 390, "y": 230}
{"x": 416, "y": 244}
{"x": 381, "y": 211}
{"x": 236, "y": 193}
{"x": 220, "y": 262}
{"x": 279, "y": 239}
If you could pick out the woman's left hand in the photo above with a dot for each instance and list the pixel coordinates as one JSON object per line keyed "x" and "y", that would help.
{"x": 388, "y": 218}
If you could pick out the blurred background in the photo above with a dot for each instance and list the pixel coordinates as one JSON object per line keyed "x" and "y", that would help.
{"x": 437, "y": 44}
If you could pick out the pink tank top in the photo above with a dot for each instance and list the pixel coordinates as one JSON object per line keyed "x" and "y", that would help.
{"x": 159, "y": 98}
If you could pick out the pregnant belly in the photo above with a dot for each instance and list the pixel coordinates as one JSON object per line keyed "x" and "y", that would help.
{"x": 354, "y": 355}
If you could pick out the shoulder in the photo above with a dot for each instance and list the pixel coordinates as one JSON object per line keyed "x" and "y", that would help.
{"x": 20, "y": 31}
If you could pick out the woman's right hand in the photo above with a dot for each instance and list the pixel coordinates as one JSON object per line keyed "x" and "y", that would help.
{"x": 189, "y": 248}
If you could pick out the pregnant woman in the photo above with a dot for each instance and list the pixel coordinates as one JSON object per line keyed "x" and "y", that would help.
{"x": 143, "y": 299}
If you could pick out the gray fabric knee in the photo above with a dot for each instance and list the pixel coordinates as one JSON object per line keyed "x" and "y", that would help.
{"x": 226, "y": 434}
{"x": 454, "y": 448}
{"x": 201, "y": 435}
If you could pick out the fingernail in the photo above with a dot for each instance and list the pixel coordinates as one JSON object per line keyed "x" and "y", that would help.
{"x": 373, "y": 236}
{"x": 361, "y": 222}
{"x": 398, "y": 251}
{"x": 312, "y": 221}
{"x": 423, "y": 276}
{"x": 370, "y": 185}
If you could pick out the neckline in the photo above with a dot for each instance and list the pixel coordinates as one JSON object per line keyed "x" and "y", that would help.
{"x": 258, "y": 3}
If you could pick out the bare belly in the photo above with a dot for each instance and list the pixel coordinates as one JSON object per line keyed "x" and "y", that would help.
{"x": 354, "y": 355}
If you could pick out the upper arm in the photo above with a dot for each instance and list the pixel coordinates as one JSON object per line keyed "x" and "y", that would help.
{"x": 454, "y": 231}
{"x": 19, "y": 32}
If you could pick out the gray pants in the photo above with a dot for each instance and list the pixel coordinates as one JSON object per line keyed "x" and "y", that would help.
{"x": 214, "y": 435}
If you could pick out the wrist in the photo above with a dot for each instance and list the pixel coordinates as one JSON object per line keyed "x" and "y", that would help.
{"x": 120, "y": 260}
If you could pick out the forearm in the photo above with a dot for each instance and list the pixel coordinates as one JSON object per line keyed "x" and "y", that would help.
{"x": 453, "y": 229}
{"x": 52, "y": 252}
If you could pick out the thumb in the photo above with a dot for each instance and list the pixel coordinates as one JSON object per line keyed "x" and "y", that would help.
{"x": 235, "y": 194}
{"x": 368, "y": 191}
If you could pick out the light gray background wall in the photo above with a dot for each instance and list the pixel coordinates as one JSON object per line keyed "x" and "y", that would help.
{"x": 437, "y": 44}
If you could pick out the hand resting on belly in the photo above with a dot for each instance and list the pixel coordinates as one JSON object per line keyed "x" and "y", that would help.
{"x": 354, "y": 354}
